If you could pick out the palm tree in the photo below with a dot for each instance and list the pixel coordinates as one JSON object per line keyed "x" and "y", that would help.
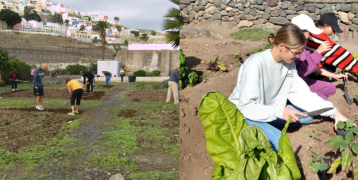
{"x": 101, "y": 26}
{"x": 144, "y": 37}
{"x": 66, "y": 23}
{"x": 172, "y": 25}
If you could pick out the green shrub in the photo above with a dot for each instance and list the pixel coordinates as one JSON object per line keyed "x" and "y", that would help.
{"x": 140, "y": 73}
{"x": 23, "y": 69}
{"x": 140, "y": 85}
{"x": 156, "y": 73}
{"x": 251, "y": 34}
{"x": 148, "y": 74}
{"x": 165, "y": 83}
{"x": 75, "y": 69}
{"x": 93, "y": 68}
{"x": 156, "y": 85}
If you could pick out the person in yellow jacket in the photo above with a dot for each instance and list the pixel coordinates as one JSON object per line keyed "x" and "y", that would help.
{"x": 75, "y": 89}
{"x": 121, "y": 73}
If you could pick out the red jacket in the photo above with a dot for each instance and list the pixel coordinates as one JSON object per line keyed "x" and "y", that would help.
{"x": 337, "y": 56}
{"x": 13, "y": 75}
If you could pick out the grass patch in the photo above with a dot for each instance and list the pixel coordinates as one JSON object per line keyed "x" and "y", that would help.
{"x": 251, "y": 34}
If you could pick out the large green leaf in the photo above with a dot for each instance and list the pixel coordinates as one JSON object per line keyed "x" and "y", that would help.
{"x": 323, "y": 166}
{"x": 343, "y": 145}
{"x": 350, "y": 123}
{"x": 334, "y": 166}
{"x": 340, "y": 125}
{"x": 346, "y": 160}
{"x": 354, "y": 130}
{"x": 349, "y": 136}
{"x": 222, "y": 126}
{"x": 354, "y": 147}
{"x": 335, "y": 141}
{"x": 315, "y": 167}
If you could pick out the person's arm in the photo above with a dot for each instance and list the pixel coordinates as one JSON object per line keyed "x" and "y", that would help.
{"x": 247, "y": 96}
{"x": 69, "y": 90}
{"x": 307, "y": 63}
{"x": 326, "y": 73}
{"x": 36, "y": 76}
{"x": 10, "y": 76}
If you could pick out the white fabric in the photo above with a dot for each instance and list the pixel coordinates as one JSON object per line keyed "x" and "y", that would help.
{"x": 304, "y": 22}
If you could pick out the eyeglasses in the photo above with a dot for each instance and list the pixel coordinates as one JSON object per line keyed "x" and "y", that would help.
{"x": 296, "y": 55}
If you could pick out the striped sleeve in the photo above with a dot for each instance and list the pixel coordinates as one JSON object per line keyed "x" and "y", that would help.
{"x": 337, "y": 56}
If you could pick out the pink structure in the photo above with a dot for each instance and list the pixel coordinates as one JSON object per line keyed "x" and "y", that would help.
{"x": 151, "y": 47}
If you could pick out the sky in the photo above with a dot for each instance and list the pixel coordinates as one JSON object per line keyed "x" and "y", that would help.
{"x": 137, "y": 14}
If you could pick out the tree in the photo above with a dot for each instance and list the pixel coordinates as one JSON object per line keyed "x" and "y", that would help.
{"x": 34, "y": 16}
{"x": 101, "y": 26}
{"x": 135, "y": 33}
{"x": 66, "y": 23}
{"x": 144, "y": 37}
{"x": 153, "y": 32}
{"x": 95, "y": 40}
{"x": 57, "y": 18}
{"x": 10, "y": 17}
{"x": 119, "y": 28}
{"x": 116, "y": 19}
{"x": 172, "y": 25}
{"x": 126, "y": 42}
{"x": 82, "y": 28}
{"x": 27, "y": 12}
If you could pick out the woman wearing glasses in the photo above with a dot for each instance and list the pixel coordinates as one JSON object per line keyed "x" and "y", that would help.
{"x": 307, "y": 63}
{"x": 267, "y": 79}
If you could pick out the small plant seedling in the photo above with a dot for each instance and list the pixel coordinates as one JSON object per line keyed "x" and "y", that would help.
{"x": 309, "y": 133}
{"x": 356, "y": 94}
{"x": 315, "y": 137}
{"x": 192, "y": 78}
{"x": 203, "y": 77}
{"x": 222, "y": 66}
{"x": 318, "y": 162}
{"x": 319, "y": 133}
{"x": 238, "y": 57}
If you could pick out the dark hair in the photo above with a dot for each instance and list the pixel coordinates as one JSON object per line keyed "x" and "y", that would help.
{"x": 68, "y": 80}
{"x": 290, "y": 35}
{"x": 321, "y": 24}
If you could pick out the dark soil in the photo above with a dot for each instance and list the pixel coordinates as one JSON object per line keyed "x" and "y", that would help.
{"x": 61, "y": 111}
{"x": 142, "y": 95}
{"x": 20, "y": 128}
{"x": 127, "y": 113}
{"x": 53, "y": 94}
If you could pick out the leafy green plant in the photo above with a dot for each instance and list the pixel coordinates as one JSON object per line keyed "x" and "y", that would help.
{"x": 140, "y": 85}
{"x": 193, "y": 77}
{"x": 240, "y": 151}
{"x": 347, "y": 126}
{"x": 341, "y": 143}
{"x": 238, "y": 57}
{"x": 310, "y": 133}
{"x": 165, "y": 83}
{"x": 222, "y": 66}
{"x": 318, "y": 162}
{"x": 75, "y": 69}
{"x": 183, "y": 70}
{"x": 140, "y": 73}
{"x": 156, "y": 85}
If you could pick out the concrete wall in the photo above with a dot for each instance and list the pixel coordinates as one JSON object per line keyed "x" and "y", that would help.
{"x": 149, "y": 60}
{"x": 151, "y": 47}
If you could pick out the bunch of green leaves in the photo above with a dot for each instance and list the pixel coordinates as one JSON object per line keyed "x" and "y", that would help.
{"x": 238, "y": 57}
{"x": 239, "y": 151}
{"x": 213, "y": 65}
{"x": 318, "y": 162}
{"x": 140, "y": 85}
{"x": 75, "y": 69}
{"x": 139, "y": 73}
{"x": 310, "y": 133}
{"x": 193, "y": 77}
{"x": 165, "y": 83}
{"x": 156, "y": 85}
{"x": 341, "y": 143}
{"x": 183, "y": 69}
{"x": 222, "y": 66}
{"x": 347, "y": 126}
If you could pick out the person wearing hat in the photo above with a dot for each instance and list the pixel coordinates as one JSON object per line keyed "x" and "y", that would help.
{"x": 307, "y": 63}
{"x": 121, "y": 73}
{"x": 337, "y": 56}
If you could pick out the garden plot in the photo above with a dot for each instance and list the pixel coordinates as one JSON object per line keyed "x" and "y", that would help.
{"x": 53, "y": 94}
{"x": 195, "y": 163}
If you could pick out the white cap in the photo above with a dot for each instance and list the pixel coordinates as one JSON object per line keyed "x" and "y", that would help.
{"x": 304, "y": 22}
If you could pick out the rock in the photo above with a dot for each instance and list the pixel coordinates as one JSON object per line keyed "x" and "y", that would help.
{"x": 228, "y": 9}
{"x": 207, "y": 16}
{"x": 203, "y": 2}
{"x": 200, "y": 18}
{"x": 269, "y": 25}
{"x": 325, "y": 10}
{"x": 253, "y": 12}
{"x": 285, "y": 5}
{"x": 242, "y": 17}
{"x": 253, "y": 2}
{"x": 266, "y": 16}
{"x": 223, "y": 13}
{"x": 239, "y": 6}
{"x": 223, "y": 6}
{"x": 232, "y": 4}
{"x": 207, "y": 32}
{"x": 201, "y": 8}
{"x": 232, "y": 24}
{"x": 203, "y": 21}
{"x": 353, "y": 27}
{"x": 346, "y": 8}
{"x": 260, "y": 26}
{"x": 354, "y": 8}
{"x": 354, "y": 37}
{"x": 191, "y": 17}
{"x": 351, "y": 16}
{"x": 225, "y": 18}
{"x": 235, "y": 10}
{"x": 261, "y": 8}
{"x": 290, "y": 12}
{"x": 245, "y": 23}
{"x": 343, "y": 17}
{"x": 231, "y": 19}
{"x": 195, "y": 21}
{"x": 300, "y": 8}
{"x": 237, "y": 19}
{"x": 282, "y": 13}
{"x": 338, "y": 7}
{"x": 289, "y": 17}
{"x": 231, "y": 13}
{"x": 249, "y": 17}
{"x": 215, "y": 22}
{"x": 200, "y": 13}
{"x": 216, "y": 3}
{"x": 272, "y": 3}
{"x": 268, "y": 10}
{"x": 185, "y": 10}
{"x": 276, "y": 27}
{"x": 313, "y": 16}
{"x": 211, "y": 10}
{"x": 226, "y": 2}
{"x": 311, "y": 9}
{"x": 355, "y": 20}
{"x": 216, "y": 16}
{"x": 260, "y": 2}
{"x": 317, "y": 11}
{"x": 304, "y": 12}
{"x": 117, "y": 177}
{"x": 275, "y": 13}
{"x": 278, "y": 20}
{"x": 242, "y": 1}
{"x": 247, "y": 10}
{"x": 260, "y": 21}
{"x": 320, "y": 6}
{"x": 196, "y": 8}
{"x": 247, "y": 4}
{"x": 185, "y": 1}
{"x": 300, "y": 3}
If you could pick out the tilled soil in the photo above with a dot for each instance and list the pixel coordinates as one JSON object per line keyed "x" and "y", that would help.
{"x": 196, "y": 164}
{"x": 53, "y": 94}
{"x": 143, "y": 95}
